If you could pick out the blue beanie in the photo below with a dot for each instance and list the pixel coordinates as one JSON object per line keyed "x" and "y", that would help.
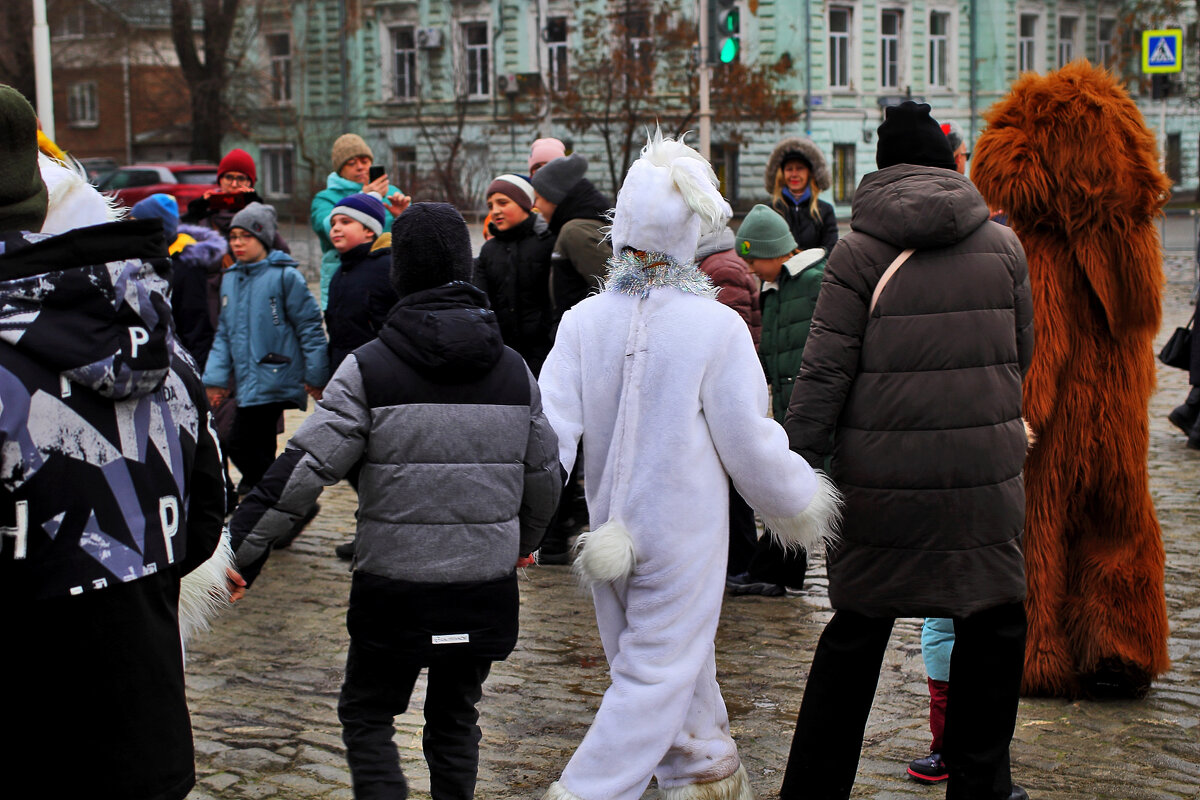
{"x": 159, "y": 206}
{"x": 363, "y": 208}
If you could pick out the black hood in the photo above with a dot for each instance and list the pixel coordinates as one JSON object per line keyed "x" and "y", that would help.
{"x": 88, "y": 304}
{"x": 447, "y": 332}
{"x": 584, "y": 201}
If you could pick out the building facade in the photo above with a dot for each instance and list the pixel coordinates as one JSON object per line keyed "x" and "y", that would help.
{"x": 449, "y": 94}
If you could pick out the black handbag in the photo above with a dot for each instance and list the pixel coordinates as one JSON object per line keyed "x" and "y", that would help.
{"x": 1177, "y": 352}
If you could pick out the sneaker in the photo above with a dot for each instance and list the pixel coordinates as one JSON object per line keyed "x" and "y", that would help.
{"x": 1184, "y": 417}
{"x": 345, "y": 551}
{"x": 743, "y": 584}
{"x": 285, "y": 541}
{"x": 930, "y": 769}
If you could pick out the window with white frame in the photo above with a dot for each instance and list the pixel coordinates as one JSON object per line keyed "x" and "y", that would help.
{"x": 890, "y": 23}
{"x": 840, "y": 19}
{"x": 404, "y": 62}
{"x": 939, "y": 49}
{"x": 1106, "y": 29}
{"x": 1027, "y": 42}
{"x": 475, "y": 59}
{"x": 279, "y": 49}
{"x": 1067, "y": 30}
{"x": 556, "y": 53}
{"x": 276, "y": 161}
{"x": 83, "y": 107}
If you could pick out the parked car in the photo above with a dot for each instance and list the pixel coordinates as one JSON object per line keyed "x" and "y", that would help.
{"x": 185, "y": 182}
{"x": 98, "y": 168}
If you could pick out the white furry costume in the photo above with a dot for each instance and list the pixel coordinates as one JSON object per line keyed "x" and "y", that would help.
{"x": 664, "y": 387}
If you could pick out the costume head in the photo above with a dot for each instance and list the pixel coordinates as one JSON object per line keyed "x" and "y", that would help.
{"x": 669, "y": 198}
{"x": 238, "y": 160}
{"x": 159, "y": 206}
{"x": 909, "y": 135}
{"x": 556, "y": 180}
{"x": 515, "y": 188}
{"x": 364, "y": 208}
{"x": 259, "y": 221}
{"x": 544, "y": 151}
{"x": 764, "y": 234}
{"x": 1047, "y": 159}
{"x": 431, "y": 246}
{"x": 23, "y": 194}
{"x": 348, "y": 146}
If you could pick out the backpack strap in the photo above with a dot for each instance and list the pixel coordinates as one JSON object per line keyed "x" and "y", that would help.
{"x": 887, "y": 276}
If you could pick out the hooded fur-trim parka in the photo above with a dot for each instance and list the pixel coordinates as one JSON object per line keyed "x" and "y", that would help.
{"x": 1093, "y": 548}
{"x": 809, "y": 151}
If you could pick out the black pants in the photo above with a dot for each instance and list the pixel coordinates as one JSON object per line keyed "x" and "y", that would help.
{"x": 981, "y": 711}
{"x": 762, "y": 558}
{"x": 252, "y": 441}
{"x": 377, "y": 688}
{"x": 571, "y": 514}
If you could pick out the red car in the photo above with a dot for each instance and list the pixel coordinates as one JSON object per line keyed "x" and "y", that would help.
{"x": 184, "y": 182}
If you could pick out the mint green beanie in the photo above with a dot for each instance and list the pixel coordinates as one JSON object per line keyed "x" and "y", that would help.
{"x": 764, "y": 234}
{"x": 23, "y": 196}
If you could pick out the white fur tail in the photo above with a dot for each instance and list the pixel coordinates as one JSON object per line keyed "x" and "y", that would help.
{"x": 734, "y": 787}
{"x": 604, "y": 555}
{"x": 815, "y": 526}
{"x": 204, "y": 593}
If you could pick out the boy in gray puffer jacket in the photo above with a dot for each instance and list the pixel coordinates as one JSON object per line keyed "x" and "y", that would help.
{"x": 435, "y": 405}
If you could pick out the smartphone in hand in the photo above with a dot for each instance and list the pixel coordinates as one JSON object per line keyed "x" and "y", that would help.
{"x": 376, "y": 172}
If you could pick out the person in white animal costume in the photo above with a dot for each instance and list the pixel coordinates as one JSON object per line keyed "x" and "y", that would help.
{"x": 663, "y": 385}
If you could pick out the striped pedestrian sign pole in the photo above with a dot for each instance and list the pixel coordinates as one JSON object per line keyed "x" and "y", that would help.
{"x": 1162, "y": 54}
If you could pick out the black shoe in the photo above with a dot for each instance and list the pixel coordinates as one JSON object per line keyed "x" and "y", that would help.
{"x": 1018, "y": 793}
{"x": 744, "y": 584}
{"x": 345, "y": 551}
{"x": 285, "y": 541}
{"x": 553, "y": 557}
{"x": 1184, "y": 417}
{"x": 929, "y": 770}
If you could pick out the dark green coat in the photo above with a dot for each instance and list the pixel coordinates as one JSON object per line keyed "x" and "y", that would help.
{"x": 787, "y": 310}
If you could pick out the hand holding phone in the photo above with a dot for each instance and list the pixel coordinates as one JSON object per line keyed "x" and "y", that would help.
{"x": 376, "y": 172}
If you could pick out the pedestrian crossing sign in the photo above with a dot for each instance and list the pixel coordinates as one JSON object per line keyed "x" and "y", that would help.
{"x": 1162, "y": 51}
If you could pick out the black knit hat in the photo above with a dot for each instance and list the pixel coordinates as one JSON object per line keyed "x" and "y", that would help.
{"x": 23, "y": 195}
{"x": 909, "y": 135}
{"x": 430, "y": 246}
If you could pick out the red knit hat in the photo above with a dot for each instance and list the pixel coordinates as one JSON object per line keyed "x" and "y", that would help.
{"x": 238, "y": 160}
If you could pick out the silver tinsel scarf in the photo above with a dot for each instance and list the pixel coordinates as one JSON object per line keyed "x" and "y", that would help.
{"x": 636, "y": 273}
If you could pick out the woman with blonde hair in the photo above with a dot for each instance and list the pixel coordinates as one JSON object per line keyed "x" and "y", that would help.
{"x": 796, "y": 175}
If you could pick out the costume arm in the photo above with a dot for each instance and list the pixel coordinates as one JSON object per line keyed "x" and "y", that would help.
{"x": 305, "y": 318}
{"x": 322, "y": 451}
{"x": 562, "y": 391}
{"x": 798, "y": 504}
{"x": 543, "y": 479}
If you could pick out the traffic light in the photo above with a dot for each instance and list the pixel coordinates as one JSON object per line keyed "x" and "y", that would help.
{"x": 725, "y": 25}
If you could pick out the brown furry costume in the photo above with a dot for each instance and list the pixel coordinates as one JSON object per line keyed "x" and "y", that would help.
{"x": 1070, "y": 159}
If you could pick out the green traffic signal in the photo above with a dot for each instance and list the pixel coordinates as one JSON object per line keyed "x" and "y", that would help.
{"x": 730, "y": 27}
{"x": 729, "y": 51}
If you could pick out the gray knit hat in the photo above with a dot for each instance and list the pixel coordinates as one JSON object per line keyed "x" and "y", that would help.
{"x": 347, "y": 146}
{"x": 23, "y": 195}
{"x": 258, "y": 220}
{"x": 556, "y": 179}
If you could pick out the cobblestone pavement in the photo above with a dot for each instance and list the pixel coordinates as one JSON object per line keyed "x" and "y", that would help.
{"x": 263, "y": 684}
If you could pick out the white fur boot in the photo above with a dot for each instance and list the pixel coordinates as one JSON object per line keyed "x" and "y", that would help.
{"x": 735, "y": 787}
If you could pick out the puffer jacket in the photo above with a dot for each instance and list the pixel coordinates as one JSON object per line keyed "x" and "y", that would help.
{"x": 513, "y": 270}
{"x": 112, "y": 490}
{"x": 435, "y": 404}
{"x": 787, "y": 310}
{"x": 737, "y": 286}
{"x": 336, "y": 190}
{"x": 922, "y": 397}
{"x": 360, "y": 297}
{"x": 195, "y": 268}
{"x": 269, "y": 338}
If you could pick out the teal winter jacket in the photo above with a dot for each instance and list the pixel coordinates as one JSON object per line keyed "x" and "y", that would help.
{"x": 336, "y": 190}
{"x": 787, "y": 311}
{"x": 269, "y": 335}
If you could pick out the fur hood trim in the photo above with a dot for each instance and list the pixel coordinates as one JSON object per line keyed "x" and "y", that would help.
{"x": 204, "y": 253}
{"x": 733, "y": 787}
{"x": 203, "y": 592}
{"x": 811, "y": 153}
{"x": 605, "y": 555}
{"x": 816, "y": 526}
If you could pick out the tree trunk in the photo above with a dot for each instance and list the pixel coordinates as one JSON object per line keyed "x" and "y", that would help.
{"x": 206, "y": 121}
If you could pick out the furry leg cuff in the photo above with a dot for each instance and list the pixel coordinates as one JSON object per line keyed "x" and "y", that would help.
{"x": 604, "y": 555}
{"x": 203, "y": 592}
{"x": 558, "y": 792}
{"x": 815, "y": 526}
{"x": 734, "y": 787}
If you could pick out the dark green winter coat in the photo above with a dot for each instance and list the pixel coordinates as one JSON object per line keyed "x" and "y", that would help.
{"x": 787, "y": 310}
